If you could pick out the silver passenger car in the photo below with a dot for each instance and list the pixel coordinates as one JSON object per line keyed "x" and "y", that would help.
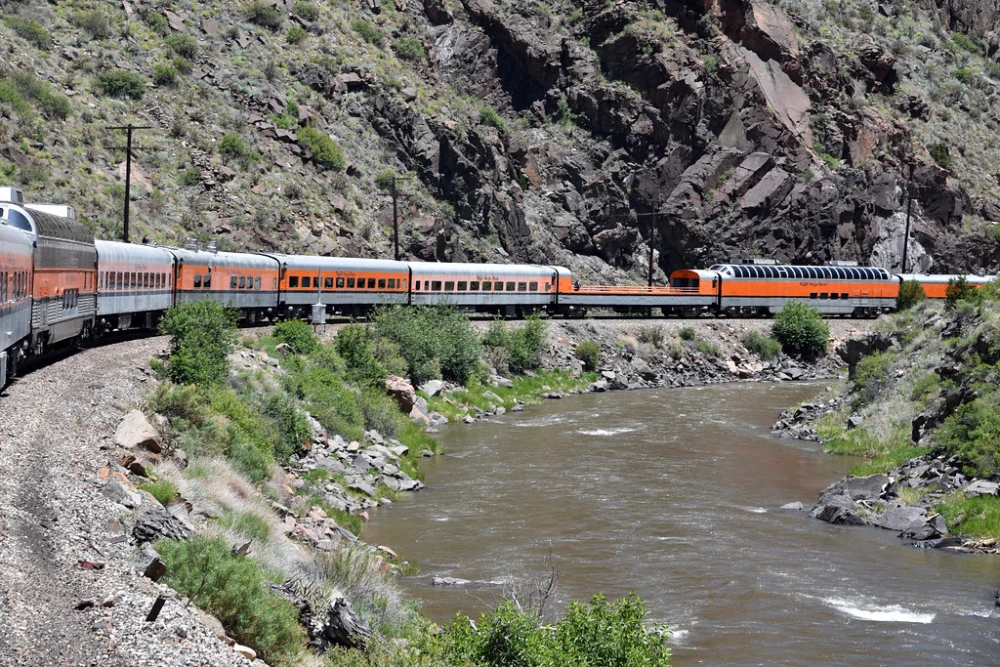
{"x": 343, "y": 284}
{"x": 235, "y": 280}
{"x": 15, "y": 296}
{"x": 134, "y": 284}
{"x": 485, "y": 287}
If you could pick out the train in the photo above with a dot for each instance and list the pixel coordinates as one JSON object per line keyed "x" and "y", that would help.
{"x": 59, "y": 285}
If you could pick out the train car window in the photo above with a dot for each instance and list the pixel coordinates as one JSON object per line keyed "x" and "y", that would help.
{"x": 533, "y": 287}
{"x": 796, "y": 272}
{"x": 474, "y": 286}
{"x": 256, "y": 283}
{"x": 463, "y": 286}
{"x": 487, "y": 286}
{"x": 197, "y": 280}
{"x": 843, "y": 295}
{"x": 307, "y": 281}
{"x": 402, "y": 283}
{"x": 293, "y": 282}
{"x": 449, "y": 286}
{"x": 243, "y": 282}
{"x": 371, "y": 283}
{"x": 869, "y": 274}
{"x": 522, "y": 287}
{"x": 510, "y": 287}
{"x": 824, "y": 295}
{"x": 350, "y": 283}
{"x": 232, "y": 282}
{"x": 381, "y": 283}
{"x": 834, "y": 295}
{"x": 392, "y": 283}
{"x": 208, "y": 279}
{"x": 435, "y": 285}
{"x": 328, "y": 283}
{"x": 416, "y": 286}
{"x": 812, "y": 295}
{"x": 18, "y": 221}
{"x": 249, "y": 282}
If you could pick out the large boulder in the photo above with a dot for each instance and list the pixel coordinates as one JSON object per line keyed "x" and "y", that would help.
{"x": 402, "y": 391}
{"x": 838, "y": 509}
{"x": 135, "y": 431}
{"x": 900, "y": 518}
{"x": 857, "y": 488}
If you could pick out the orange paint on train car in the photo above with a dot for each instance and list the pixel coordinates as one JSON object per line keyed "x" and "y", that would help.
{"x": 809, "y": 289}
{"x": 202, "y": 278}
{"x": 298, "y": 280}
{"x": 54, "y": 282}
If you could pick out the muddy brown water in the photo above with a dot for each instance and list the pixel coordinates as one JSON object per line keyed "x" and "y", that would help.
{"x": 674, "y": 494}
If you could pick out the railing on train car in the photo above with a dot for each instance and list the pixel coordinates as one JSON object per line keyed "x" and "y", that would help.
{"x": 633, "y": 289}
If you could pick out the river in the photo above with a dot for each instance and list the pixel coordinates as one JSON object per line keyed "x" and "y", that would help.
{"x": 673, "y": 494}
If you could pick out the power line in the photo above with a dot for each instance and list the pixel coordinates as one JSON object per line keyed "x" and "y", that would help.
{"x": 128, "y": 168}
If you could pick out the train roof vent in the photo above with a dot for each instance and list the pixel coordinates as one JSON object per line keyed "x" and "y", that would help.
{"x": 841, "y": 262}
{"x": 192, "y": 245}
{"x": 754, "y": 260}
{"x": 58, "y": 210}
{"x": 12, "y": 195}
{"x": 213, "y": 247}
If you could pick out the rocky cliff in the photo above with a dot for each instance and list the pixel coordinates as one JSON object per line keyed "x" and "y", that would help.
{"x": 581, "y": 133}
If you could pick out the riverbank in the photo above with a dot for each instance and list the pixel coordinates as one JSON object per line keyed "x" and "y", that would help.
{"x": 920, "y": 406}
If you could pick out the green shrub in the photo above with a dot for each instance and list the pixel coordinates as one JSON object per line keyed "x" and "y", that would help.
{"x": 652, "y": 335}
{"x": 521, "y": 348}
{"x": 298, "y": 335}
{"x": 234, "y": 147}
{"x": 963, "y": 74}
{"x": 368, "y": 32}
{"x": 324, "y": 151}
{"x": 489, "y": 116}
{"x": 190, "y": 176}
{"x": 263, "y": 15}
{"x": 306, "y": 10}
{"x": 93, "y": 22}
{"x": 589, "y": 352}
{"x": 958, "y": 290}
{"x": 431, "y": 338}
{"x": 234, "y": 590}
{"x": 764, "y": 347}
{"x": 295, "y": 34}
{"x": 872, "y": 373}
{"x": 966, "y": 43}
{"x": 293, "y": 430}
{"x": 202, "y": 335}
{"x": 156, "y": 21}
{"x": 181, "y": 64}
{"x": 911, "y": 293}
{"x": 121, "y": 84}
{"x": 161, "y": 489}
{"x": 356, "y": 348}
{"x": 22, "y": 87}
{"x": 973, "y": 433}
{"x": 800, "y": 329}
{"x": 595, "y": 633}
{"x": 687, "y": 333}
{"x": 164, "y": 74}
{"x": 706, "y": 347}
{"x": 183, "y": 45}
{"x": 941, "y": 155}
{"x": 30, "y": 30}
{"x": 972, "y": 517}
{"x": 410, "y": 48}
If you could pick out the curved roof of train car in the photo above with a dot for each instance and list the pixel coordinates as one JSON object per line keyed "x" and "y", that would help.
{"x": 450, "y": 269}
{"x": 11, "y": 237}
{"x": 705, "y": 274}
{"x": 238, "y": 260}
{"x": 338, "y": 263}
{"x": 921, "y": 278}
{"x": 116, "y": 251}
{"x": 52, "y": 226}
{"x": 837, "y": 272}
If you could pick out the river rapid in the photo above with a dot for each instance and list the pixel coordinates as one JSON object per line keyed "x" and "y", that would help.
{"x": 674, "y": 494}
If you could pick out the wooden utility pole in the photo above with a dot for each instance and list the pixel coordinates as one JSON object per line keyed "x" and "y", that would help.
{"x": 128, "y": 169}
{"x": 395, "y": 219}
{"x": 909, "y": 209}
{"x": 653, "y": 218}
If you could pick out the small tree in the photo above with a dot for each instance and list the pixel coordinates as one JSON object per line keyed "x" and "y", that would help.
{"x": 801, "y": 330}
{"x": 324, "y": 151}
{"x": 958, "y": 289}
{"x": 202, "y": 335}
{"x": 910, "y": 294}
